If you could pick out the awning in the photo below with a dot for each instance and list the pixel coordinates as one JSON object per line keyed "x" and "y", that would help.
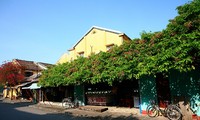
{"x": 32, "y": 86}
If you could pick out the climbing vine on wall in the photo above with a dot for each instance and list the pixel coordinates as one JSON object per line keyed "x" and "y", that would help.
{"x": 176, "y": 47}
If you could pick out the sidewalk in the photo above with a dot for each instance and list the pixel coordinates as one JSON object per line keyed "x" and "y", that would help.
{"x": 94, "y": 112}
{"x": 49, "y": 107}
{"x": 91, "y": 112}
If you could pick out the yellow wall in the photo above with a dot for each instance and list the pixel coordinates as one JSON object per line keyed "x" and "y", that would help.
{"x": 64, "y": 58}
{"x": 94, "y": 42}
{"x": 5, "y": 92}
{"x": 11, "y": 92}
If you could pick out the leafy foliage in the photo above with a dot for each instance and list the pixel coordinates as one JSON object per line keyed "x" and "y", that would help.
{"x": 176, "y": 47}
{"x": 11, "y": 74}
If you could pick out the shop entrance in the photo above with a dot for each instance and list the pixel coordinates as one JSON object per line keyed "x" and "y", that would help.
{"x": 98, "y": 94}
{"x": 124, "y": 94}
{"x": 128, "y": 93}
{"x": 163, "y": 90}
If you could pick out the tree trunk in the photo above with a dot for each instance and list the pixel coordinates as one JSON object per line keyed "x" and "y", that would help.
{"x": 185, "y": 109}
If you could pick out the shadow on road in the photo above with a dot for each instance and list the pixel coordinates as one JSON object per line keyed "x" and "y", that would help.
{"x": 22, "y": 111}
{"x": 105, "y": 117}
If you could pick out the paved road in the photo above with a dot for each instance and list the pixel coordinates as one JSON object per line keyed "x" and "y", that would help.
{"x": 23, "y": 111}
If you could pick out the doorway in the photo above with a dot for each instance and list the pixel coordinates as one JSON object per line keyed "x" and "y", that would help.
{"x": 128, "y": 93}
{"x": 163, "y": 90}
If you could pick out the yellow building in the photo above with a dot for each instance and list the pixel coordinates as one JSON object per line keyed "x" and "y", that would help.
{"x": 31, "y": 70}
{"x": 95, "y": 40}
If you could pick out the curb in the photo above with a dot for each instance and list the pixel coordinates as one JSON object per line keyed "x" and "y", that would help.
{"x": 54, "y": 109}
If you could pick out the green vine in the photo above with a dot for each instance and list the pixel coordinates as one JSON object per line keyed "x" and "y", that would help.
{"x": 176, "y": 47}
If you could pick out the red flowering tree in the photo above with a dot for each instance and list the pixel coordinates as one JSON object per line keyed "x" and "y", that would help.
{"x": 11, "y": 74}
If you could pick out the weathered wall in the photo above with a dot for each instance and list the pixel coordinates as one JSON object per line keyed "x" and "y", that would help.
{"x": 185, "y": 89}
{"x": 147, "y": 92}
{"x": 79, "y": 92}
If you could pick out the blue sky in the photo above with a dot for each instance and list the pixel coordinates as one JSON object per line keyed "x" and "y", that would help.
{"x": 42, "y": 30}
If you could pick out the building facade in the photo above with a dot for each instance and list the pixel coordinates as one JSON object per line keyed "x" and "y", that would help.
{"x": 95, "y": 40}
{"x": 32, "y": 71}
{"x": 182, "y": 88}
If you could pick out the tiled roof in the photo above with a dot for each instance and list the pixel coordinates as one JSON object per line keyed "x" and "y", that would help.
{"x": 45, "y": 64}
{"x": 33, "y": 77}
{"x": 31, "y": 65}
{"x": 28, "y": 65}
{"x": 105, "y": 29}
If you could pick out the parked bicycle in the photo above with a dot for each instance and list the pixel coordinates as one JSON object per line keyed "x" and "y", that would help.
{"x": 68, "y": 103}
{"x": 172, "y": 111}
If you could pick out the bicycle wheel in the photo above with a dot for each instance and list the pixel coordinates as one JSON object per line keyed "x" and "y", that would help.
{"x": 76, "y": 103}
{"x": 173, "y": 112}
{"x": 151, "y": 111}
{"x": 66, "y": 103}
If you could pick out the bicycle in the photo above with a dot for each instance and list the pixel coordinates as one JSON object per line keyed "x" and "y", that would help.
{"x": 68, "y": 103}
{"x": 172, "y": 111}
{"x": 195, "y": 103}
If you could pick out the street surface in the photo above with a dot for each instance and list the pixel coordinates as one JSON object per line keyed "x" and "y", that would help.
{"x": 28, "y": 111}
{"x": 22, "y": 111}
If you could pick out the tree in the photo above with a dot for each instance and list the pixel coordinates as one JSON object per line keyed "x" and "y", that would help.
{"x": 179, "y": 44}
{"x": 11, "y": 74}
{"x": 176, "y": 47}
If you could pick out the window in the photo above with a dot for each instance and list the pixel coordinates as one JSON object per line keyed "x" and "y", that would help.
{"x": 109, "y": 46}
{"x": 28, "y": 74}
{"x": 81, "y": 54}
